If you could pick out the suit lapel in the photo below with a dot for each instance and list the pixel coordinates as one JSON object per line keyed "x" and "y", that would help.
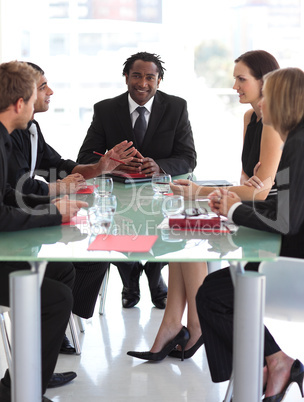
{"x": 122, "y": 113}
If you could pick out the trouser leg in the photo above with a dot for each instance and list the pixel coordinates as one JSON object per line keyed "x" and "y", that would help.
{"x": 89, "y": 277}
{"x": 56, "y": 305}
{"x": 215, "y": 306}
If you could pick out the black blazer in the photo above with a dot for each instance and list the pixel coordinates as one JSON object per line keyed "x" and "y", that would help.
{"x": 49, "y": 163}
{"x": 168, "y": 140}
{"x": 13, "y": 212}
{"x": 284, "y": 214}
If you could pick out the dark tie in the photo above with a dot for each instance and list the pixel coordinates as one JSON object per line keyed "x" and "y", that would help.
{"x": 140, "y": 126}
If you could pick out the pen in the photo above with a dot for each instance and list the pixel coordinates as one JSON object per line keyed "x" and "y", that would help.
{"x": 116, "y": 160}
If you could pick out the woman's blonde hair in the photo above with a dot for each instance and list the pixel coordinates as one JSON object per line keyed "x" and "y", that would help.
{"x": 284, "y": 91}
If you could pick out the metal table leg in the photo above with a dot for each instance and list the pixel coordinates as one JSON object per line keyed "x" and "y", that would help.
{"x": 248, "y": 338}
{"x": 26, "y": 333}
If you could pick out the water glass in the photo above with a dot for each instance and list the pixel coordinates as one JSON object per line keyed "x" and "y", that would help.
{"x": 173, "y": 205}
{"x": 161, "y": 183}
{"x": 100, "y": 221}
{"x": 108, "y": 202}
{"x": 103, "y": 186}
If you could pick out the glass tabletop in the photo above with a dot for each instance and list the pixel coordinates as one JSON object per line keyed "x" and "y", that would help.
{"x": 138, "y": 212}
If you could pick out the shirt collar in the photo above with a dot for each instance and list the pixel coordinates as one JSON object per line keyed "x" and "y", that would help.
{"x": 133, "y": 105}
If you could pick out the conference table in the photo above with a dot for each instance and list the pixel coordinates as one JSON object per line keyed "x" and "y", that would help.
{"x": 139, "y": 220}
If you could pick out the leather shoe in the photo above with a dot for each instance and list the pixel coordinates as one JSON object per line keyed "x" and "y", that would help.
{"x": 129, "y": 297}
{"x": 160, "y": 302}
{"x": 5, "y": 394}
{"x": 59, "y": 379}
{"x": 159, "y": 294}
{"x": 66, "y": 347}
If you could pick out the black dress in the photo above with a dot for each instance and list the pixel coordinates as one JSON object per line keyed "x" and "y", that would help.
{"x": 252, "y": 145}
{"x": 252, "y": 148}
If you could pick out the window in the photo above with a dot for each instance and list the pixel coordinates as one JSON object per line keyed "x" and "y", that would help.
{"x": 82, "y": 45}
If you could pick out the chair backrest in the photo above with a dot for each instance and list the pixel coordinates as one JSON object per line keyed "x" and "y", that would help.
{"x": 284, "y": 288}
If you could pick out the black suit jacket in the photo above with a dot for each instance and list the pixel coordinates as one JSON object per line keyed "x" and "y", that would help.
{"x": 168, "y": 139}
{"x": 284, "y": 214}
{"x": 49, "y": 163}
{"x": 17, "y": 211}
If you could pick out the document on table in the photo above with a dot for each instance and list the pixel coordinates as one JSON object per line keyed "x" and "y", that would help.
{"x": 123, "y": 243}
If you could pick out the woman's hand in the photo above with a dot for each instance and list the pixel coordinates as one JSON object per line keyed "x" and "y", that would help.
{"x": 254, "y": 181}
{"x": 184, "y": 187}
{"x": 220, "y": 201}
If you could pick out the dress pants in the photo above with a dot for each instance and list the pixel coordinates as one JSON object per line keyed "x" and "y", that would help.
{"x": 56, "y": 306}
{"x": 214, "y": 302}
{"x": 89, "y": 277}
{"x": 130, "y": 270}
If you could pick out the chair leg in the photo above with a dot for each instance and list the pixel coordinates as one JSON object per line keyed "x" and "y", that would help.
{"x": 80, "y": 323}
{"x": 103, "y": 291}
{"x": 5, "y": 339}
{"x": 229, "y": 392}
{"x": 74, "y": 334}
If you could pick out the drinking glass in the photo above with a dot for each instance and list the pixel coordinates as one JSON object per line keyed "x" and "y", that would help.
{"x": 108, "y": 202}
{"x": 161, "y": 183}
{"x": 100, "y": 221}
{"x": 103, "y": 186}
{"x": 173, "y": 205}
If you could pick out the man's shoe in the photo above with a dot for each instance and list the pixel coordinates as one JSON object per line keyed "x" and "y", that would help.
{"x": 160, "y": 302}
{"x": 159, "y": 295}
{"x": 66, "y": 347}
{"x": 5, "y": 394}
{"x": 59, "y": 379}
{"x": 129, "y": 297}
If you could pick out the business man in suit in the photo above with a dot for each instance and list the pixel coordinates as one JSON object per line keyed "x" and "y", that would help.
{"x": 158, "y": 125}
{"x": 62, "y": 176}
{"x": 18, "y": 212}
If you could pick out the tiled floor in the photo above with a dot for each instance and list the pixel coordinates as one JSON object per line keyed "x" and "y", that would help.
{"x": 106, "y": 373}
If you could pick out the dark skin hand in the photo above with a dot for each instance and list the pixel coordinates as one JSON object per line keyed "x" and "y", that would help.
{"x": 140, "y": 164}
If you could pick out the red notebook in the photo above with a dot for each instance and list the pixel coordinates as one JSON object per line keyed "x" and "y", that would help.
{"x": 88, "y": 190}
{"x": 123, "y": 243}
{"x": 199, "y": 223}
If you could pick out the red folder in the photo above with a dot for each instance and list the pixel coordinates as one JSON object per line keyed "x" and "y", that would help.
{"x": 201, "y": 222}
{"x": 123, "y": 243}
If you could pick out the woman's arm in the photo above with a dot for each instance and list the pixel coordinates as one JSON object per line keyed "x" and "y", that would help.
{"x": 270, "y": 154}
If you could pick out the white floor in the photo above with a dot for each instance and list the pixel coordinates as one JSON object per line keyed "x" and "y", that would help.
{"x": 106, "y": 373}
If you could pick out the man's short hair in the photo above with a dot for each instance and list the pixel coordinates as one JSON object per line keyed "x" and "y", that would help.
{"x": 36, "y": 67}
{"x": 144, "y": 56}
{"x": 17, "y": 80}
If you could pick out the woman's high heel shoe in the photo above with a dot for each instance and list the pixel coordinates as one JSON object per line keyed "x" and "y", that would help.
{"x": 296, "y": 375}
{"x": 181, "y": 339}
{"x": 188, "y": 353}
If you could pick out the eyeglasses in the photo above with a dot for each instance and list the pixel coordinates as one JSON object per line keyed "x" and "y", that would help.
{"x": 194, "y": 212}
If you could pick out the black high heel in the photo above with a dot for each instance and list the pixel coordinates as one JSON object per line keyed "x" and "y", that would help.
{"x": 188, "y": 353}
{"x": 296, "y": 375}
{"x": 181, "y": 339}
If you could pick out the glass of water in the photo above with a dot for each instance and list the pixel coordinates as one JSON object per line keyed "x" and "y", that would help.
{"x": 161, "y": 183}
{"x": 100, "y": 220}
{"x": 173, "y": 205}
{"x": 108, "y": 202}
{"x": 103, "y": 186}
